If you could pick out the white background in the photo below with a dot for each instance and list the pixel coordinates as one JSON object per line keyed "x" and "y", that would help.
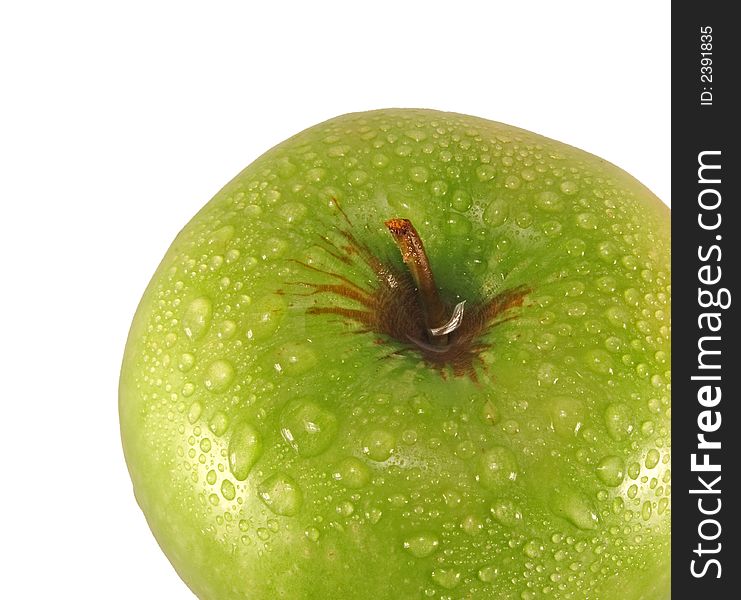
{"x": 119, "y": 120}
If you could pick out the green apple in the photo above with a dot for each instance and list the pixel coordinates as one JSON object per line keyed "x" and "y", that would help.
{"x": 410, "y": 354}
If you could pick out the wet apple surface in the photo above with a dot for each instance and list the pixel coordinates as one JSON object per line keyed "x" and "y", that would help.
{"x": 316, "y": 402}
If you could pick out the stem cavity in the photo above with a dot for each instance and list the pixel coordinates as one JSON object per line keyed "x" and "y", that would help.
{"x": 406, "y": 306}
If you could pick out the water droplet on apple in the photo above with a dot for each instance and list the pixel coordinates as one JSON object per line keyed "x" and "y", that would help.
{"x": 409, "y": 437}
{"x": 221, "y": 237}
{"x": 569, "y": 187}
{"x": 219, "y": 376}
{"x": 418, "y": 135}
{"x": 379, "y": 445}
{"x": 652, "y": 458}
{"x": 452, "y": 498}
{"x": 312, "y": 534}
{"x": 512, "y": 182}
{"x": 567, "y": 415}
{"x": 488, "y": 573}
{"x": 528, "y": 174}
{"x": 419, "y": 174}
{"x": 227, "y": 329}
{"x": 265, "y": 316}
{"x": 379, "y": 160}
{"x": 446, "y": 156}
{"x": 497, "y": 467}
{"x": 586, "y": 221}
{"x": 374, "y": 514}
{"x": 632, "y": 297}
{"x": 485, "y": 172}
{"x": 307, "y": 427}
{"x": 619, "y": 420}
{"x": 194, "y": 412}
{"x": 524, "y": 220}
{"x": 549, "y": 201}
{"x": 219, "y": 423}
{"x": 472, "y": 525}
{"x": 345, "y": 508}
{"x": 205, "y": 445}
{"x": 352, "y": 473}
{"x": 421, "y": 545}
{"x": 611, "y": 471}
{"x": 281, "y": 494}
{"x": 506, "y": 512}
{"x": 575, "y": 247}
{"x": 606, "y": 251}
{"x": 629, "y": 262}
{"x": 647, "y": 428}
{"x": 461, "y": 200}
{"x": 496, "y": 213}
{"x": 646, "y": 510}
{"x": 315, "y": 175}
{"x": 357, "y": 177}
{"x": 546, "y": 341}
{"x": 576, "y": 309}
{"x": 292, "y": 212}
{"x": 339, "y": 150}
{"x": 215, "y": 262}
{"x": 618, "y": 505}
{"x": 295, "y": 359}
{"x": 438, "y": 188}
{"x": 490, "y": 413}
{"x": 458, "y": 225}
{"x": 245, "y": 447}
{"x": 598, "y": 361}
{"x": 446, "y": 578}
{"x": 575, "y": 508}
{"x": 253, "y": 210}
{"x": 186, "y": 362}
{"x": 613, "y": 344}
{"x": 511, "y": 427}
{"x": 607, "y": 285}
{"x": 663, "y": 505}
{"x": 533, "y": 549}
{"x": 211, "y": 477}
{"x": 618, "y": 316}
{"x": 228, "y": 490}
{"x": 552, "y": 228}
{"x": 465, "y": 450}
{"x": 548, "y": 374}
{"x": 197, "y": 317}
{"x": 274, "y": 247}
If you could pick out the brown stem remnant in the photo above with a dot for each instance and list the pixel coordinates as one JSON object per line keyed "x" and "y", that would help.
{"x": 414, "y": 256}
{"x": 406, "y": 305}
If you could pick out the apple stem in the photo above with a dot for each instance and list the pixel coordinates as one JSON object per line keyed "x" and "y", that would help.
{"x": 414, "y": 256}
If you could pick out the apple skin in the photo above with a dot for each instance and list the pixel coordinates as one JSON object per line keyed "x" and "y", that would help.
{"x": 282, "y": 454}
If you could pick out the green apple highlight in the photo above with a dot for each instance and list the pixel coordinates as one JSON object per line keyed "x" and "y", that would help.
{"x": 410, "y": 354}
